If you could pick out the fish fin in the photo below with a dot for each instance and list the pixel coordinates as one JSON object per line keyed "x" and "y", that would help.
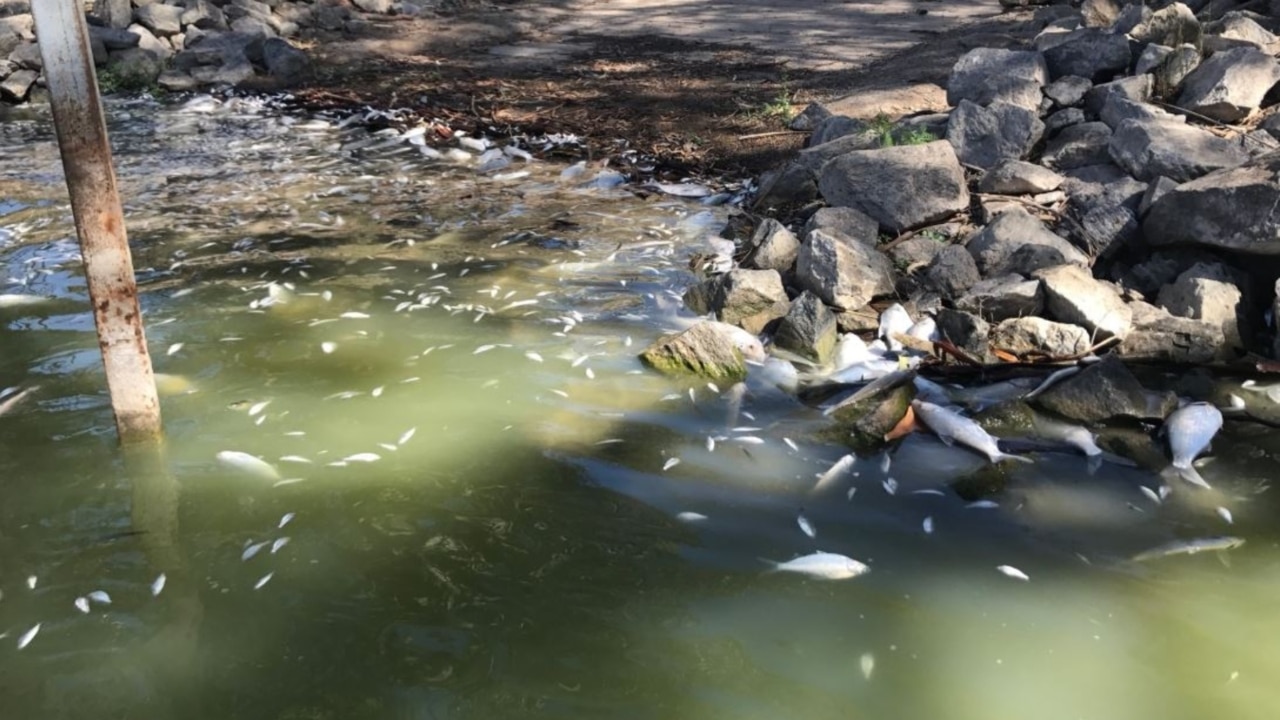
{"x": 773, "y": 564}
{"x": 1093, "y": 463}
{"x": 1018, "y": 458}
{"x": 947, "y": 440}
{"x": 1189, "y": 474}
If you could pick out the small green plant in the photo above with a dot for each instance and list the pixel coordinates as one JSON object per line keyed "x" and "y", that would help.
{"x": 891, "y": 135}
{"x": 111, "y": 80}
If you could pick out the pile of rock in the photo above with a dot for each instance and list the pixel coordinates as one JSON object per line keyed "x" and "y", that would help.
{"x": 1110, "y": 182}
{"x": 183, "y": 44}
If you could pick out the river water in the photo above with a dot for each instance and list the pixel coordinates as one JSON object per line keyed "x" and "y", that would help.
{"x": 478, "y": 484}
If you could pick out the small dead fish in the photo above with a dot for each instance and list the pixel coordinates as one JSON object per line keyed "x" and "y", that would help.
{"x": 31, "y": 582}
{"x": 951, "y": 427}
{"x": 483, "y": 349}
{"x": 157, "y": 585}
{"x": 536, "y": 357}
{"x": 711, "y": 444}
{"x": 174, "y": 349}
{"x": 12, "y": 401}
{"x": 286, "y": 519}
{"x": 258, "y": 407}
{"x": 82, "y": 604}
{"x": 805, "y": 526}
{"x": 279, "y": 543}
{"x": 295, "y": 459}
{"x": 890, "y": 486}
{"x": 1013, "y": 572}
{"x": 748, "y": 440}
{"x": 100, "y": 596}
{"x": 1225, "y": 514}
{"x": 328, "y": 347}
{"x": 263, "y": 580}
{"x": 353, "y": 315}
{"x": 1151, "y": 494}
{"x": 690, "y": 517}
{"x": 927, "y": 525}
{"x": 670, "y": 463}
{"x": 252, "y": 550}
{"x": 841, "y": 466}
{"x": 868, "y": 664}
{"x": 1189, "y": 547}
{"x": 28, "y": 636}
{"x": 791, "y": 444}
{"x": 406, "y": 436}
{"x": 822, "y": 565}
{"x": 1190, "y": 430}
{"x": 366, "y": 457}
{"x": 248, "y": 464}
{"x": 983, "y": 505}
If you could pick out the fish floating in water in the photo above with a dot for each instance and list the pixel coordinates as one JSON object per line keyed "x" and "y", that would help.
{"x": 12, "y": 401}
{"x": 248, "y": 464}
{"x": 951, "y": 427}
{"x": 822, "y": 565}
{"x": 1189, "y": 431}
{"x": 1189, "y": 547}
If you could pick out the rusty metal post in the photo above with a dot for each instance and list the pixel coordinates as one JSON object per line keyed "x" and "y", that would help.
{"x": 91, "y": 180}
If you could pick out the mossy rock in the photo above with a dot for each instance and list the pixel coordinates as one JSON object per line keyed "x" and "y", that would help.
{"x": 1013, "y": 417}
{"x": 863, "y": 425}
{"x": 1134, "y": 444}
{"x": 706, "y": 350}
{"x": 988, "y": 480}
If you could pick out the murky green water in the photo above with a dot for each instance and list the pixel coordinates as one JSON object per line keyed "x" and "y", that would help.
{"x": 518, "y": 554}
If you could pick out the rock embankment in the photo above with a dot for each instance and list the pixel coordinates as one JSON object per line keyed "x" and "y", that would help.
{"x": 186, "y": 44}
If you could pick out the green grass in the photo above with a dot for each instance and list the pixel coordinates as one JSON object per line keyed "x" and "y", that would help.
{"x": 110, "y": 81}
{"x": 891, "y": 135}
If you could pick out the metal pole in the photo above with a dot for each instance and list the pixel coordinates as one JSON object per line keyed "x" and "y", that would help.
{"x": 91, "y": 180}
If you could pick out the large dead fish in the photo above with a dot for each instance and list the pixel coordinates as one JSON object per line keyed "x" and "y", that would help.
{"x": 1189, "y": 430}
{"x": 951, "y": 427}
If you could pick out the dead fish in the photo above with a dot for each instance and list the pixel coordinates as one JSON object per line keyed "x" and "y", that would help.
{"x": 1013, "y": 572}
{"x": 82, "y": 604}
{"x": 13, "y": 300}
{"x": 1073, "y": 435}
{"x": 28, "y": 636}
{"x": 248, "y": 464}
{"x": 925, "y": 329}
{"x": 406, "y": 436}
{"x": 951, "y": 427}
{"x": 365, "y": 457}
{"x": 833, "y": 473}
{"x": 157, "y": 585}
{"x": 286, "y": 519}
{"x": 868, "y": 665}
{"x": 822, "y": 565}
{"x": 670, "y": 463}
{"x": 1189, "y": 431}
{"x": 252, "y": 550}
{"x": 890, "y": 486}
{"x": 12, "y": 401}
{"x": 1189, "y": 547}
{"x": 851, "y": 350}
{"x": 263, "y": 580}
{"x": 174, "y": 349}
{"x": 688, "y": 516}
{"x": 927, "y": 525}
{"x": 894, "y": 321}
{"x": 1225, "y": 514}
{"x": 99, "y": 596}
{"x": 1054, "y": 378}
{"x": 278, "y": 544}
{"x": 805, "y": 526}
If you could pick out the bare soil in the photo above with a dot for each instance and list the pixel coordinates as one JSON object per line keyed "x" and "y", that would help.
{"x": 688, "y": 106}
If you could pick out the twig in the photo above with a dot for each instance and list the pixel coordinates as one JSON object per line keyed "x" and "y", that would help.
{"x": 1217, "y": 123}
{"x": 774, "y": 133}
{"x": 912, "y": 233}
{"x": 1088, "y": 237}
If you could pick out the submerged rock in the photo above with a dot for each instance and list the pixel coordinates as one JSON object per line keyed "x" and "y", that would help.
{"x": 864, "y": 424}
{"x": 709, "y": 349}
{"x": 1103, "y": 391}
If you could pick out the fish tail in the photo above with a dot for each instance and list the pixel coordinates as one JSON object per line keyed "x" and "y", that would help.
{"x": 1020, "y": 458}
{"x": 1190, "y": 474}
{"x": 773, "y": 565}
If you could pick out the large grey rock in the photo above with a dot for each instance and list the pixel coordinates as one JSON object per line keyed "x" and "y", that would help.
{"x": 1072, "y": 295}
{"x": 22, "y": 25}
{"x": 204, "y": 15}
{"x": 1036, "y": 336}
{"x": 1236, "y": 29}
{"x": 284, "y": 62}
{"x": 750, "y": 299}
{"x": 17, "y": 85}
{"x": 1063, "y": 119}
{"x": 995, "y": 249}
{"x": 1211, "y": 293}
{"x": 1104, "y": 391}
{"x": 1159, "y": 336}
{"x": 844, "y": 222}
{"x": 834, "y": 127}
{"x": 914, "y": 253}
{"x": 253, "y": 27}
{"x": 115, "y": 38}
{"x": 1148, "y": 150}
{"x": 1015, "y": 177}
{"x": 793, "y": 184}
{"x": 808, "y": 329}
{"x": 1230, "y": 84}
{"x": 843, "y": 275}
{"x": 1067, "y": 91}
{"x": 1003, "y": 297}
{"x": 966, "y": 331}
{"x": 1117, "y": 110}
{"x": 815, "y": 157}
{"x": 1150, "y": 58}
{"x": 901, "y": 187}
{"x": 1231, "y": 209}
{"x": 709, "y": 349}
{"x": 774, "y": 247}
{"x": 983, "y": 137}
{"x": 1169, "y": 75}
{"x": 113, "y": 13}
{"x": 1155, "y": 191}
{"x": 8, "y": 42}
{"x": 1106, "y": 229}
{"x": 1106, "y": 183}
{"x": 27, "y": 56}
{"x": 806, "y": 120}
{"x": 1136, "y": 88}
{"x": 1170, "y": 26}
{"x": 1089, "y": 53}
{"x": 1078, "y": 146}
{"x": 163, "y": 20}
{"x": 987, "y": 75}
{"x": 951, "y": 272}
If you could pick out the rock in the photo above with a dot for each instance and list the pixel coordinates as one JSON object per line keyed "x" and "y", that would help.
{"x": 864, "y": 424}
{"x": 1090, "y": 53}
{"x": 994, "y": 248}
{"x": 1228, "y": 209}
{"x": 147, "y": 41}
{"x": 844, "y": 275}
{"x": 1068, "y": 91}
{"x": 233, "y": 72}
{"x": 987, "y": 75}
{"x": 1275, "y": 320}
{"x": 1103, "y": 391}
{"x": 775, "y": 248}
{"x": 808, "y": 329}
{"x": 163, "y": 20}
{"x": 1170, "y": 26}
{"x": 236, "y": 9}
{"x": 1150, "y": 58}
{"x": 790, "y": 185}
{"x": 982, "y": 137}
{"x": 1155, "y": 191}
{"x": 252, "y": 27}
{"x": 27, "y": 56}
{"x": 378, "y": 7}
{"x": 1036, "y": 336}
{"x": 1173, "y": 70}
{"x": 966, "y": 331}
{"x": 1181, "y": 152}
{"x": 99, "y": 49}
{"x": 136, "y": 67}
{"x": 951, "y": 272}
{"x": 844, "y": 222}
{"x": 8, "y": 42}
{"x": 1158, "y": 336}
{"x": 815, "y": 157}
{"x": 1102, "y": 184}
{"x": 284, "y": 62}
{"x": 1229, "y": 85}
{"x": 1118, "y": 109}
{"x": 750, "y": 299}
{"x": 113, "y": 13}
{"x": 114, "y": 38}
{"x": 176, "y": 81}
{"x": 835, "y": 127}
{"x": 1209, "y": 292}
{"x": 1061, "y": 120}
{"x": 914, "y": 253}
{"x": 901, "y": 187}
{"x": 1240, "y": 30}
{"x": 204, "y": 15}
{"x": 1015, "y": 177}
{"x": 16, "y": 86}
{"x": 1072, "y": 295}
{"x": 1107, "y": 229}
{"x": 1099, "y": 13}
{"x": 1078, "y": 146}
{"x": 22, "y": 25}
{"x": 807, "y": 119}
{"x": 1136, "y": 88}
{"x": 1003, "y": 297}
{"x": 709, "y": 349}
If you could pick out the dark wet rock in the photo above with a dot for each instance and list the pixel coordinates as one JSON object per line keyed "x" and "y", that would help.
{"x": 1155, "y": 191}
{"x": 844, "y": 222}
{"x": 807, "y": 119}
{"x": 113, "y": 13}
{"x": 1067, "y": 91}
{"x": 163, "y": 20}
{"x": 775, "y": 247}
{"x": 1103, "y": 391}
{"x": 1230, "y": 84}
{"x": 965, "y": 330}
{"x": 284, "y": 62}
{"x": 1036, "y": 336}
{"x": 1213, "y": 293}
{"x": 1173, "y": 70}
{"x": 1015, "y": 177}
{"x": 1072, "y": 295}
{"x": 995, "y": 247}
{"x": 901, "y": 187}
{"x": 1090, "y": 53}
{"x": 1003, "y": 297}
{"x": 790, "y": 185}
{"x": 808, "y": 329}
{"x": 987, "y": 75}
{"x": 1077, "y": 146}
{"x": 17, "y": 85}
{"x": 983, "y": 137}
{"x": 204, "y": 15}
{"x": 1230, "y": 209}
{"x": 1136, "y": 88}
{"x": 951, "y": 272}
{"x": 1170, "y": 26}
{"x": 845, "y": 275}
{"x": 1160, "y": 336}
{"x": 750, "y": 299}
{"x": 1106, "y": 229}
{"x": 709, "y": 349}
{"x": 114, "y": 38}
{"x": 863, "y": 425}
{"x": 1181, "y": 152}
{"x": 1063, "y": 119}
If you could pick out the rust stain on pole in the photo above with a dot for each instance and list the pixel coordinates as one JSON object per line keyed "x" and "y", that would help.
{"x": 95, "y": 204}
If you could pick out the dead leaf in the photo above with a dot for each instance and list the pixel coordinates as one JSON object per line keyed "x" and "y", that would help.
{"x": 905, "y": 426}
